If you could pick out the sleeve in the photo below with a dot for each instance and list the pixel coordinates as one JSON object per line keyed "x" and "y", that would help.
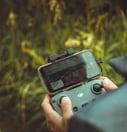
{"x": 107, "y": 113}
{"x": 77, "y": 125}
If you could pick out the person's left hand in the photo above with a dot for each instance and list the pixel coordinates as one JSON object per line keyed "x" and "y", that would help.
{"x": 56, "y": 122}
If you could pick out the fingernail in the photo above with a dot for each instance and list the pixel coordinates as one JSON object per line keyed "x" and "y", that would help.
{"x": 65, "y": 99}
{"x": 106, "y": 81}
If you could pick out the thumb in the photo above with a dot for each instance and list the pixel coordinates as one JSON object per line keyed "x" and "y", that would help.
{"x": 66, "y": 106}
{"x": 109, "y": 85}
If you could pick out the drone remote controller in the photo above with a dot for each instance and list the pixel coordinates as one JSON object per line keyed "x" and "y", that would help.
{"x": 73, "y": 75}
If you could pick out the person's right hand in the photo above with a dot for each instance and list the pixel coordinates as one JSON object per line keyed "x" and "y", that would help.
{"x": 108, "y": 84}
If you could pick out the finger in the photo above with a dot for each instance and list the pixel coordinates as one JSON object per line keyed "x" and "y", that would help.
{"x": 66, "y": 106}
{"x": 108, "y": 84}
{"x": 51, "y": 115}
{"x": 46, "y": 106}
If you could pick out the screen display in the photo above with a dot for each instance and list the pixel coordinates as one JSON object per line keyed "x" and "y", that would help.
{"x": 70, "y": 71}
{"x": 64, "y": 73}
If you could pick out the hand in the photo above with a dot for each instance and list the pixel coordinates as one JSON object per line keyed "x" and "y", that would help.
{"x": 108, "y": 84}
{"x": 56, "y": 122}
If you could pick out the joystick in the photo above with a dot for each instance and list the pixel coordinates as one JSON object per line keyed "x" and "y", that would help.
{"x": 60, "y": 99}
{"x": 97, "y": 88}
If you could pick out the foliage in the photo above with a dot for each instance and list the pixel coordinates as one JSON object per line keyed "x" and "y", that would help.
{"x": 34, "y": 29}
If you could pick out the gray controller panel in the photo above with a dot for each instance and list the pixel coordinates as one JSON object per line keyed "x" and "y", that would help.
{"x": 80, "y": 96}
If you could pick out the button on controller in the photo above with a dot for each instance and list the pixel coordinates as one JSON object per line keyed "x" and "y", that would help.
{"x": 60, "y": 99}
{"x": 97, "y": 88}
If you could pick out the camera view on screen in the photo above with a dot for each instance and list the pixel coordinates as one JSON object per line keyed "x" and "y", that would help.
{"x": 64, "y": 73}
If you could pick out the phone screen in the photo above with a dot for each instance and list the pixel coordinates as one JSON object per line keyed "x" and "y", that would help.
{"x": 70, "y": 71}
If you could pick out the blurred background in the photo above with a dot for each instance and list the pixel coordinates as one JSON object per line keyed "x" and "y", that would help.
{"x": 31, "y": 30}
